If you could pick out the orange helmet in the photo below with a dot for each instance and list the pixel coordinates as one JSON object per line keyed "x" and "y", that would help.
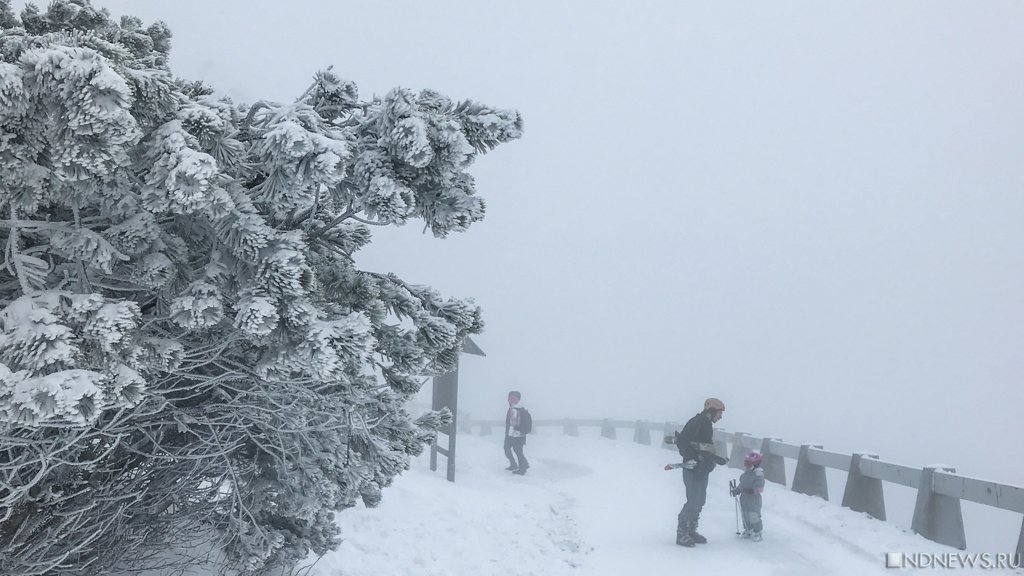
{"x": 714, "y": 404}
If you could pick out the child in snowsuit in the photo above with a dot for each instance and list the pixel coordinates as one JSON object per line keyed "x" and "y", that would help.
{"x": 749, "y": 490}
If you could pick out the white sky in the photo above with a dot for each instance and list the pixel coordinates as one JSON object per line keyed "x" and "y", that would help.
{"x": 809, "y": 209}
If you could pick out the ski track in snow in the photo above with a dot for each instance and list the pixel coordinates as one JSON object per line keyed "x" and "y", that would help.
{"x": 596, "y": 507}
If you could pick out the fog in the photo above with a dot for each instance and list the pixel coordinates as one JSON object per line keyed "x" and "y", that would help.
{"x": 811, "y": 210}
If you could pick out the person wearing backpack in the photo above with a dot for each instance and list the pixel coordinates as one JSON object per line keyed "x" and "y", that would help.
{"x": 518, "y": 423}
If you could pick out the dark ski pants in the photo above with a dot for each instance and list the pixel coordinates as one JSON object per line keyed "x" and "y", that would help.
{"x": 696, "y": 493}
{"x": 516, "y": 444}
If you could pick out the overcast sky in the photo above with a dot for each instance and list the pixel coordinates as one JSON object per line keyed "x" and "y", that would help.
{"x": 811, "y": 210}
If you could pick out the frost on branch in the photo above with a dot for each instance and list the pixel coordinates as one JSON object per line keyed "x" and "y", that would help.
{"x": 60, "y": 358}
{"x": 188, "y": 347}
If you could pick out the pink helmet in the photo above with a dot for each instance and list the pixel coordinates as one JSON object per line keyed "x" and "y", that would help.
{"x": 752, "y": 459}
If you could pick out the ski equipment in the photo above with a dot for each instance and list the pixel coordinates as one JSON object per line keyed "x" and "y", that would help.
{"x": 733, "y": 492}
{"x": 696, "y": 536}
{"x": 689, "y": 465}
{"x": 753, "y": 459}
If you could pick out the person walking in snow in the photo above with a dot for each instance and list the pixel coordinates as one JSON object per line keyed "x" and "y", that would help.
{"x": 696, "y": 444}
{"x": 749, "y": 489}
{"x": 515, "y": 436}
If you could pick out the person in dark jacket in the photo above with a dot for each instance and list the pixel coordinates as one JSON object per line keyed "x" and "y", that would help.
{"x": 515, "y": 439}
{"x": 696, "y": 444}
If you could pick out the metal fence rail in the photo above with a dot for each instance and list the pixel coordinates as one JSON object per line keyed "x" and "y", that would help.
{"x": 937, "y": 512}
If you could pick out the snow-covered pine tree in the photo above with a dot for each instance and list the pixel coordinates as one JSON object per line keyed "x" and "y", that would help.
{"x": 187, "y": 347}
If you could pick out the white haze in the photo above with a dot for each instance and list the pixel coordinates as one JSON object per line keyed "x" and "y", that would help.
{"x": 811, "y": 210}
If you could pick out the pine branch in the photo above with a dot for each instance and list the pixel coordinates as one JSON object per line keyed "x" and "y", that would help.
{"x": 35, "y": 224}
{"x": 259, "y": 105}
{"x": 338, "y": 220}
{"x": 371, "y": 223}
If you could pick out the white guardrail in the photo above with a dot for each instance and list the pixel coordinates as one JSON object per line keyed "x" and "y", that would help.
{"x": 937, "y": 513}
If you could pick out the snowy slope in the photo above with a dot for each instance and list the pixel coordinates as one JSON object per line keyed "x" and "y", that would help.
{"x": 596, "y": 507}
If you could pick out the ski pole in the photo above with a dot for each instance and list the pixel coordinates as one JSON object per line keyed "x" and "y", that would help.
{"x": 732, "y": 490}
{"x": 737, "y": 514}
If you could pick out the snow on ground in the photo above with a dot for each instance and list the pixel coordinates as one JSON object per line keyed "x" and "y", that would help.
{"x": 597, "y": 507}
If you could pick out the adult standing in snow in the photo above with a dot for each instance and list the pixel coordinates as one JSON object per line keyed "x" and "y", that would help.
{"x": 515, "y": 438}
{"x": 696, "y": 444}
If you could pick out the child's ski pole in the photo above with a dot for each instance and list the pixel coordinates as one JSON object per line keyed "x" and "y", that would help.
{"x": 732, "y": 490}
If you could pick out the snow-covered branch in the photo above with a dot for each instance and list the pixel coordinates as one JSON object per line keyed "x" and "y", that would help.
{"x": 187, "y": 346}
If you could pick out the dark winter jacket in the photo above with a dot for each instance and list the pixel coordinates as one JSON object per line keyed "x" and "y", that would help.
{"x": 696, "y": 442}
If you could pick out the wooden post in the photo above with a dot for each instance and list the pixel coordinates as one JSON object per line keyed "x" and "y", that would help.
{"x": 446, "y": 395}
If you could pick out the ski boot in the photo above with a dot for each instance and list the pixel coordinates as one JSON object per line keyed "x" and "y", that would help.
{"x": 683, "y": 538}
{"x": 694, "y": 535}
{"x": 756, "y": 537}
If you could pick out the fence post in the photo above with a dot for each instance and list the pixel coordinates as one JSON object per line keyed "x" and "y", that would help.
{"x": 774, "y": 465}
{"x": 485, "y": 429}
{"x": 938, "y": 517}
{"x": 864, "y": 494}
{"x": 1020, "y": 544}
{"x": 809, "y": 478}
{"x": 670, "y": 432}
{"x": 738, "y": 450}
{"x": 570, "y": 428}
{"x": 641, "y": 433}
{"x": 721, "y": 448}
{"x": 607, "y": 430}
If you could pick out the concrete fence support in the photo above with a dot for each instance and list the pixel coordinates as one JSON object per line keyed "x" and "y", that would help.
{"x": 774, "y": 465}
{"x": 641, "y": 433}
{"x": 608, "y": 430}
{"x": 938, "y": 517}
{"x": 570, "y": 428}
{"x": 864, "y": 494}
{"x": 1020, "y": 544}
{"x": 721, "y": 448}
{"x": 809, "y": 478}
{"x": 937, "y": 513}
{"x": 669, "y": 431}
{"x": 738, "y": 450}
